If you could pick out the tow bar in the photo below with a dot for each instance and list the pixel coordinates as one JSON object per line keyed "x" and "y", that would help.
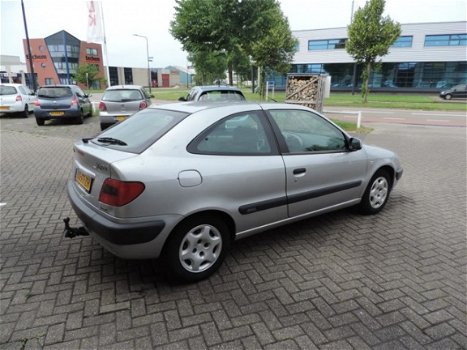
{"x": 71, "y": 232}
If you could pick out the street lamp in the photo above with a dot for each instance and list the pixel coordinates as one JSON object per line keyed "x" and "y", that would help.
{"x": 147, "y": 57}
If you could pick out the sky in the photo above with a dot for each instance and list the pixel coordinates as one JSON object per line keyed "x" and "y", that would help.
{"x": 151, "y": 18}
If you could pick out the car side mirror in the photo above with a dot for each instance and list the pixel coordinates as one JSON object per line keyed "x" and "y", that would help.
{"x": 152, "y": 96}
{"x": 182, "y": 98}
{"x": 354, "y": 144}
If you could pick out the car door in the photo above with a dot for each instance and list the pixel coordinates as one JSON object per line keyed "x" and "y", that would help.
{"x": 241, "y": 167}
{"x": 321, "y": 172}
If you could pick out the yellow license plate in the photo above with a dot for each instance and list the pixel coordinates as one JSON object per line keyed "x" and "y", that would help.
{"x": 4, "y": 108}
{"x": 83, "y": 180}
{"x": 57, "y": 114}
{"x": 121, "y": 118}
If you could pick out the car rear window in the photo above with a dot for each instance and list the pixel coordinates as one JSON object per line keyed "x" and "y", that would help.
{"x": 7, "y": 90}
{"x": 55, "y": 92}
{"x": 141, "y": 130}
{"x": 122, "y": 95}
{"x": 221, "y": 95}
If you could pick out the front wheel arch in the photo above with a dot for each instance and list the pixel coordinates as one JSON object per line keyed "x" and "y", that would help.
{"x": 367, "y": 205}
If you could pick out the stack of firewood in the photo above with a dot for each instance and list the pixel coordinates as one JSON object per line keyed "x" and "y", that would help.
{"x": 304, "y": 90}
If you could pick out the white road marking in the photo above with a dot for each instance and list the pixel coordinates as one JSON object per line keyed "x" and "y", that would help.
{"x": 438, "y": 120}
{"x": 440, "y": 115}
{"x": 2, "y": 204}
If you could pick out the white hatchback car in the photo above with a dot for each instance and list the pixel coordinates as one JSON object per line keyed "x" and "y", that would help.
{"x": 16, "y": 98}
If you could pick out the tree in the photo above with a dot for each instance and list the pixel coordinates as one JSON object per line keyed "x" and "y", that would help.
{"x": 275, "y": 50}
{"x": 370, "y": 36}
{"x": 210, "y": 66}
{"x": 87, "y": 74}
{"x": 229, "y": 26}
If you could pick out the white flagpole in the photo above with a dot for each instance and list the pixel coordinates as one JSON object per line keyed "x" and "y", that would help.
{"x": 106, "y": 60}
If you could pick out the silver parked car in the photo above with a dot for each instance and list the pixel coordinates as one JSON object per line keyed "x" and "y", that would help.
{"x": 121, "y": 101}
{"x": 16, "y": 99}
{"x": 214, "y": 93}
{"x": 183, "y": 180}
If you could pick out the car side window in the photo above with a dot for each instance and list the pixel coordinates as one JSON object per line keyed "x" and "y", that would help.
{"x": 22, "y": 90}
{"x": 239, "y": 134}
{"x": 304, "y": 132}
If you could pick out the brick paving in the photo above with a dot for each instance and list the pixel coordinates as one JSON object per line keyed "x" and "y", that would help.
{"x": 340, "y": 281}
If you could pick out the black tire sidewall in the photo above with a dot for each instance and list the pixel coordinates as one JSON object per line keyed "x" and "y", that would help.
{"x": 171, "y": 250}
{"x": 365, "y": 205}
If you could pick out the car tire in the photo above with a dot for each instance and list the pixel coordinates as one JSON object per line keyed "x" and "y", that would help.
{"x": 448, "y": 97}
{"x": 80, "y": 119}
{"x": 39, "y": 121}
{"x": 196, "y": 247}
{"x": 376, "y": 194}
{"x": 25, "y": 113}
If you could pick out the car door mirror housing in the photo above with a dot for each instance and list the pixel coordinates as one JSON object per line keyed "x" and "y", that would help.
{"x": 354, "y": 144}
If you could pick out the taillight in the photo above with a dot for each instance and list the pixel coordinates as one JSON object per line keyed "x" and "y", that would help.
{"x": 143, "y": 105}
{"x": 37, "y": 103}
{"x": 102, "y": 106}
{"x": 19, "y": 98}
{"x": 74, "y": 101}
{"x": 118, "y": 193}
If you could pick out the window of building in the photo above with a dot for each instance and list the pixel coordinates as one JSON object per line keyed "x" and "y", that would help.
{"x": 91, "y": 52}
{"x": 330, "y": 44}
{"x": 446, "y": 40}
{"x": 49, "y": 81}
{"x": 113, "y": 76}
{"x": 403, "y": 41}
{"x": 128, "y": 72}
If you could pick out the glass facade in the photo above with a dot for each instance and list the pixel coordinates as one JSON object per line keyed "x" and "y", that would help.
{"x": 446, "y": 40}
{"x": 330, "y": 44}
{"x": 389, "y": 76}
{"x": 403, "y": 41}
{"x": 64, "y": 51}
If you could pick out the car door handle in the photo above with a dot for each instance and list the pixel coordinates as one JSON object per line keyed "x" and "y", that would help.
{"x": 299, "y": 171}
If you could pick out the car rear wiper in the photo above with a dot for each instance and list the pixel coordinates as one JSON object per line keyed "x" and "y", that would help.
{"x": 112, "y": 141}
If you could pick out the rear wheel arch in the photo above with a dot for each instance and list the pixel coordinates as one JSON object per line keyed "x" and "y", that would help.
{"x": 197, "y": 245}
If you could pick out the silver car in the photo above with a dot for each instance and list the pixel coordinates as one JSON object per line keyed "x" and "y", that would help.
{"x": 121, "y": 101}
{"x": 181, "y": 181}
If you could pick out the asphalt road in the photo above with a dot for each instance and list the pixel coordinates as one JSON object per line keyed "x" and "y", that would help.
{"x": 396, "y": 280}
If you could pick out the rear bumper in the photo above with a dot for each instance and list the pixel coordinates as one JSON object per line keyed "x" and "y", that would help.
{"x": 45, "y": 114}
{"x": 128, "y": 233}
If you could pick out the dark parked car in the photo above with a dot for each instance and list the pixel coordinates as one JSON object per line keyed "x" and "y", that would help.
{"x": 120, "y": 102}
{"x": 61, "y": 102}
{"x": 458, "y": 91}
{"x": 214, "y": 93}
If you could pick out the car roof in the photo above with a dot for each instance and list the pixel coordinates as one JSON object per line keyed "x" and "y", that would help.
{"x": 12, "y": 84}
{"x": 216, "y": 87}
{"x": 58, "y": 85}
{"x": 118, "y": 87}
{"x": 193, "y": 107}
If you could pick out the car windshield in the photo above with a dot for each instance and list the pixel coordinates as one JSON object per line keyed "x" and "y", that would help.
{"x": 55, "y": 92}
{"x": 122, "y": 95}
{"x": 140, "y": 130}
{"x": 7, "y": 90}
